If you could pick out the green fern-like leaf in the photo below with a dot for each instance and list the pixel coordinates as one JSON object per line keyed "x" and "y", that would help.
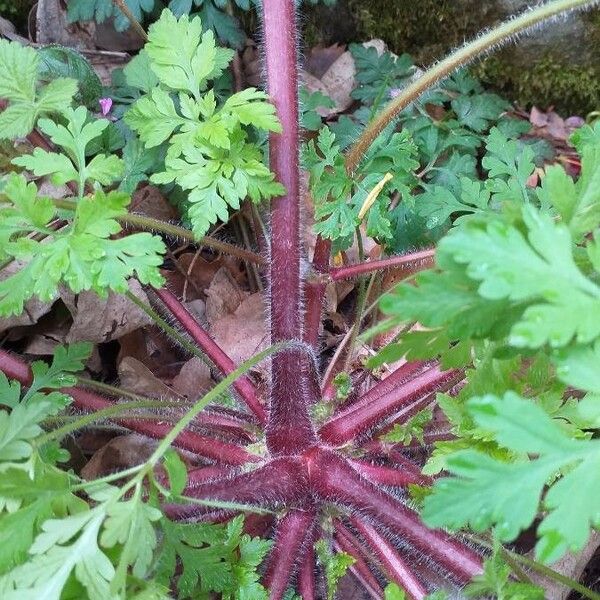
{"x": 209, "y": 154}
{"x": 19, "y": 86}
{"x": 82, "y": 255}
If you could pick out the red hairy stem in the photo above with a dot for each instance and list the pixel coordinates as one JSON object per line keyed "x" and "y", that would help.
{"x": 392, "y": 450}
{"x": 387, "y": 475}
{"x": 289, "y": 430}
{"x": 334, "y": 480}
{"x": 278, "y": 482}
{"x": 415, "y": 261}
{"x": 224, "y": 423}
{"x": 393, "y": 564}
{"x": 86, "y": 399}
{"x": 346, "y": 542}
{"x": 307, "y": 584}
{"x": 314, "y": 292}
{"x": 203, "y": 474}
{"x": 279, "y": 26}
{"x": 400, "y": 375}
{"x": 383, "y": 401}
{"x": 242, "y": 385}
{"x": 430, "y": 437}
{"x": 37, "y": 139}
{"x": 187, "y": 440}
{"x": 258, "y": 525}
{"x": 15, "y": 368}
{"x": 408, "y": 466}
{"x": 293, "y": 532}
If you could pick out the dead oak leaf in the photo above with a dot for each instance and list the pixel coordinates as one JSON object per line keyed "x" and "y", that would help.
{"x": 244, "y": 332}
{"x": 98, "y": 319}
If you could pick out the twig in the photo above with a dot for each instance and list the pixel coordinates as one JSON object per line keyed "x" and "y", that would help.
{"x": 120, "y": 4}
{"x": 175, "y": 231}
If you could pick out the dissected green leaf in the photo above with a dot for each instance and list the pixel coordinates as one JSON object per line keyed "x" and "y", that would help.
{"x": 478, "y": 111}
{"x": 214, "y": 558}
{"x": 18, "y": 84}
{"x": 412, "y": 428}
{"x": 378, "y": 73}
{"x": 335, "y": 565}
{"x": 101, "y": 10}
{"x": 219, "y": 180}
{"x": 538, "y": 269}
{"x": 74, "y": 139}
{"x": 486, "y": 492}
{"x": 209, "y": 151}
{"x": 182, "y": 56}
{"x": 496, "y": 581}
{"x": 310, "y": 102}
{"x": 83, "y": 255}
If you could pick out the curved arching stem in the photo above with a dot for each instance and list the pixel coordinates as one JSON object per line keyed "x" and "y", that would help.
{"x": 347, "y": 542}
{"x": 494, "y": 38}
{"x": 384, "y": 475}
{"x": 188, "y": 440}
{"x": 383, "y": 401}
{"x": 275, "y": 484}
{"x": 394, "y": 565}
{"x": 307, "y": 584}
{"x": 417, "y": 260}
{"x": 242, "y": 385}
{"x": 315, "y": 292}
{"x": 293, "y": 535}
{"x": 334, "y": 480}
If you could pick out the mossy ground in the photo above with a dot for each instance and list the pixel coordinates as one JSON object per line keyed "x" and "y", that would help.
{"x": 428, "y": 29}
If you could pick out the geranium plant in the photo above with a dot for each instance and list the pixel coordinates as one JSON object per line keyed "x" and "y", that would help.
{"x": 315, "y": 473}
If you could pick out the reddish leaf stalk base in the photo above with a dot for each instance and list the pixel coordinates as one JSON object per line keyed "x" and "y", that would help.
{"x": 322, "y": 479}
{"x": 309, "y": 474}
{"x": 305, "y": 473}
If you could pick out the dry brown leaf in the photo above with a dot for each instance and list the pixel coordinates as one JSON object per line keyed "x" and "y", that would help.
{"x": 52, "y": 27}
{"x": 252, "y": 64}
{"x": 571, "y": 565}
{"x": 34, "y": 309}
{"x": 153, "y": 349}
{"x": 243, "y": 333}
{"x": 7, "y": 29}
{"x": 108, "y": 38}
{"x": 550, "y": 124}
{"x": 118, "y": 454}
{"x": 319, "y": 59}
{"x": 138, "y": 378}
{"x": 537, "y": 117}
{"x": 44, "y": 342}
{"x": 198, "y": 309}
{"x": 98, "y": 319}
{"x": 339, "y": 79}
{"x": 46, "y": 188}
{"x": 149, "y": 201}
{"x": 199, "y": 274}
{"x": 312, "y": 84}
{"x": 223, "y": 296}
{"x": 194, "y": 379}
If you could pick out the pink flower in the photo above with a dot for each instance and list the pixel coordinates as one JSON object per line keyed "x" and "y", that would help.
{"x": 105, "y": 105}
